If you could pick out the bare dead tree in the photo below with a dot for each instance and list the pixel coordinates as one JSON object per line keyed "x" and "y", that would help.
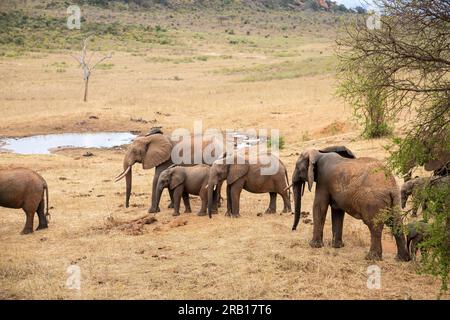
{"x": 86, "y": 65}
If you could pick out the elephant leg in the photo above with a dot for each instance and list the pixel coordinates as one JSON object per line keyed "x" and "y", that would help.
{"x": 337, "y": 222}
{"x": 154, "y": 208}
{"x": 376, "y": 250}
{"x": 177, "y": 194}
{"x": 29, "y": 212}
{"x": 228, "y": 213}
{"x": 235, "y": 191}
{"x": 170, "y": 206}
{"x": 187, "y": 204}
{"x": 204, "y": 198}
{"x": 397, "y": 230}
{"x": 320, "y": 207}
{"x": 286, "y": 202}
{"x": 273, "y": 203}
{"x": 41, "y": 215}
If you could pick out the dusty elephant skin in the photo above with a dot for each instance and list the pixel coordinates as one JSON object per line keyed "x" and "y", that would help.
{"x": 245, "y": 174}
{"x": 154, "y": 151}
{"x": 24, "y": 189}
{"x": 183, "y": 181}
{"x": 361, "y": 187}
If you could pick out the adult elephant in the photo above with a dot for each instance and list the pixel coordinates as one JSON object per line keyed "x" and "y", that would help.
{"x": 361, "y": 187}
{"x": 154, "y": 151}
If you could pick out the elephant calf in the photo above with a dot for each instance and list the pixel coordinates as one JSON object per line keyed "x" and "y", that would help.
{"x": 416, "y": 233}
{"x": 24, "y": 188}
{"x": 415, "y": 187}
{"x": 182, "y": 181}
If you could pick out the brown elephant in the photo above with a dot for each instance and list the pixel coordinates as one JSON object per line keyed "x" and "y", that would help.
{"x": 361, "y": 187}
{"x": 413, "y": 187}
{"x": 416, "y": 187}
{"x": 416, "y": 233}
{"x": 154, "y": 151}
{"x": 244, "y": 171}
{"x": 183, "y": 181}
{"x": 23, "y": 188}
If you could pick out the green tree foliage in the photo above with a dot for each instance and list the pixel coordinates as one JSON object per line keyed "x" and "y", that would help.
{"x": 400, "y": 67}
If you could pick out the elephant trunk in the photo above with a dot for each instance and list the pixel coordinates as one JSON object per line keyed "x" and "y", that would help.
{"x": 298, "y": 188}
{"x": 211, "y": 198}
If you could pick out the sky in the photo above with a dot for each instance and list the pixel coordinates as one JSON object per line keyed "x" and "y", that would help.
{"x": 353, "y": 3}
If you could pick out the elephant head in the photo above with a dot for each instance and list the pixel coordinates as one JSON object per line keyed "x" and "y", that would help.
{"x": 169, "y": 178}
{"x": 305, "y": 172}
{"x": 410, "y": 187}
{"x": 151, "y": 151}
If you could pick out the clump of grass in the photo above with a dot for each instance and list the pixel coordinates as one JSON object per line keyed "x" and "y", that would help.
{"x": 305, "y": 136}
{"x": 105, "y": 66}
{"x": 276, "y": 143}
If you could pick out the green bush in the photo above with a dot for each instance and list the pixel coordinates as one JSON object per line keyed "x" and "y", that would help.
{"x": 435, "y": 249}
{"x": 277, "y": 143}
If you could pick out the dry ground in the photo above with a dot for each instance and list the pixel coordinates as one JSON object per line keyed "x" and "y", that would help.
{"x": 254, "y": 257}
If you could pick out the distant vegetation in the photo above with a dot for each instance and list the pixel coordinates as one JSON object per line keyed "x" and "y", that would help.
{"x": 315, "y": 5}
{"x": 284, "y": 70}
{"x": 24, "y": 32}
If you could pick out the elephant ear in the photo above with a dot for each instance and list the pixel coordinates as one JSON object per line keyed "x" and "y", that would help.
{"x": 313, "y": 155}
{"x": 176, "y": 178}
{"x": 159, "y": 149}
{"x": 236, "y": 172}
{"x": 340, "y": 150}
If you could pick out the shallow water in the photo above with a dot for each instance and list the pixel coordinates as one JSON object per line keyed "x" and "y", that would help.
{"x": 44, "y": 144}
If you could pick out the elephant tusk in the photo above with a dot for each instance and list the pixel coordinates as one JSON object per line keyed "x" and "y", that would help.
{"x": 287, "y": 188}
{"x": 122, "y": 175}
{"x": 206, "y": 187}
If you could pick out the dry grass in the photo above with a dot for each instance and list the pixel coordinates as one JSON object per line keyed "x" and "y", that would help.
{"x": 254, "y": 257}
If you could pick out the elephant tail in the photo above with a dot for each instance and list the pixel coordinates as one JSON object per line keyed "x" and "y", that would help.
{"x": 47, "y": 214}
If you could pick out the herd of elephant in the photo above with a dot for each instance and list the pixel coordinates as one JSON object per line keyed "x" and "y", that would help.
{"x": 361, "y": 187}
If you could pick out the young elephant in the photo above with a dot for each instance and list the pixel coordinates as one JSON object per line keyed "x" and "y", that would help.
{"x": 183, "y": 181}
{"x": 413, "y": 187}
{"x": 361, "y": 187}
{"x": 248, "y": 172}
{"x": 416, "y": 186}
{"x": 416, "y": 233}
{"x": 24, "y": 188}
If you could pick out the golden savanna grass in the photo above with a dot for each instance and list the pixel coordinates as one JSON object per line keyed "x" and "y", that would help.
{"x": 226, "y": 86}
